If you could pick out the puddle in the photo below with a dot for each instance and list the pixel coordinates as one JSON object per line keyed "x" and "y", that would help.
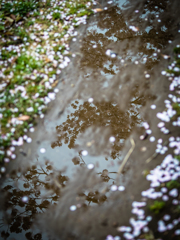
{"x": 117, "y": 58}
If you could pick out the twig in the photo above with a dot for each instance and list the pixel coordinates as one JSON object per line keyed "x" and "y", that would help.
{"x": 127, "y": 156}
{"x": 155, "y": 154}
{"x": 152, "y": 157}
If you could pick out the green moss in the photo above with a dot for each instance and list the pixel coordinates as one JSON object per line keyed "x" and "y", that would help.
{"x": 157, "y": 207}
{"x": 173, "y": 184}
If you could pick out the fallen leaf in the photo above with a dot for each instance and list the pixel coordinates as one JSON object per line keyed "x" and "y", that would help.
{"x": 13, "y": 16}
{"x": 23, "y": 118}
{"x": 54, "y": 84}
{"x": 9, "y": 19}
{"x": 47, "y": 60}
{"x": 98, "y": 10}
{"x": 165, "y": 56}
{"x": 8, "y": 34}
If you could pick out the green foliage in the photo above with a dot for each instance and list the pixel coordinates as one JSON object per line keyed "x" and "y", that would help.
{"x": 20, "y": 7}
{"x": 176, "y": 107}
{"x": 173, "y": 72}
{"x": 48, "y": 3}
{"x": 5, "y": 55}
{"x": 157, "y": 206}
{"x": 29, "y": 23}
{"x": 20, "y": 71}
{"x": 146, "y": 172}
{"x": 74, "y": 9}
{"x": 27, "y": 63}
{"x": 178, "y": 157}
{"x": 84, "y": 12}
{"x": 2, "y": 28}
{"x": 56, "y": 15}
{"x": 21, "y": 32}
{"x": 173, "y": 184}
{"x": 36, "y": 14}
{"x": 177, "y": 50}
{"x": 148, "y": 236}
{"x": 177, "y": 209}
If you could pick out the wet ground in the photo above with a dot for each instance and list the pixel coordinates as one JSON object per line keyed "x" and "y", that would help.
{"x": 69, "y": 183}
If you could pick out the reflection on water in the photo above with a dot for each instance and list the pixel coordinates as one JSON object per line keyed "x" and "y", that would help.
{"x": 116, "y": 80}
{"x": 104, "y": 115}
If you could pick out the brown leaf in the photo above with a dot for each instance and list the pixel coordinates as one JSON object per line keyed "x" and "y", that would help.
{"x": 55, "y": 84}
{"x": 23, "y": 118}
{"x": 13, "y": 16}
{"x": 98, "y": 10}
{"x": 47, "y": 60}
{"x": 8, "y": 33}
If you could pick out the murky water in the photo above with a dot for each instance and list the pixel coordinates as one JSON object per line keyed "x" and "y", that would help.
{"x": 115, "y": 63}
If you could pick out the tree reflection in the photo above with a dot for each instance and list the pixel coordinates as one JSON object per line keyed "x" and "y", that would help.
{"x": 113, "y": 31}
{"x": 30, "y": 194}
{"x": 24, "y": 201}
{"x": 105, "y": 114}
